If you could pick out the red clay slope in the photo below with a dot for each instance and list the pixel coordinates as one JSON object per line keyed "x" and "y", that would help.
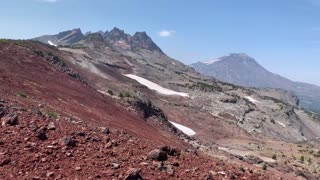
{"x": 24, "y": 71}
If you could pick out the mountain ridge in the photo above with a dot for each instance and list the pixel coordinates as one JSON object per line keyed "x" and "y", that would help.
{"x": 115, "y": 37}
{"x": 244, "y": 70}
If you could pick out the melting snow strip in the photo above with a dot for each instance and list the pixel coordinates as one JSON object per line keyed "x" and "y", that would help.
{"x": 156, "y": 87}
{"x": 251, "y": 99}
{"x": 184, "y": 129}
{"x": 281, "y": 123}
{"x": 52, "y": 44}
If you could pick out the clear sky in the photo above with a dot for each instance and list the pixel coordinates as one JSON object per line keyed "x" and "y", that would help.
{"x": 282, "y": 35}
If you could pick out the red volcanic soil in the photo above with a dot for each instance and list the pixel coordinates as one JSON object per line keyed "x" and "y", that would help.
{"x": 58, "y": 132}
{"x": 22, "y": 70}
{"x": 38, "y": 147}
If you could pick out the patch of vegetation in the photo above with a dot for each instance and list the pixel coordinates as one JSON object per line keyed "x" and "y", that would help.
{"x": 110, "y": 92}
{"x": 52, "y": 115}
{"x": 205, "y": 87}
{"x": 127, "y": 95}
{"x": 22, "y": 94}
{"x": 264, "y": 167}
{"x": 120, "y": 95}
{"x": 274, "y": 157}
{"x": 149, "y": 109}
{"x": 302, "y": 159}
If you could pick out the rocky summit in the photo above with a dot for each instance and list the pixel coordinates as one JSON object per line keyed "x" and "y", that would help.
{"x": 109, "y": 105}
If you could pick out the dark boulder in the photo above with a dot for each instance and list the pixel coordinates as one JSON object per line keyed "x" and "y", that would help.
{"x": 158, "y": 155}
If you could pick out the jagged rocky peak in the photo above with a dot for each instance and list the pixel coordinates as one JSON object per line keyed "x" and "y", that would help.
{"x": 142, "y": 41}
{"x": 96, "y": 37}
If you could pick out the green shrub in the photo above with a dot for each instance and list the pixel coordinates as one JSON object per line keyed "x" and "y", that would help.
{"x": 120, "y": 95}
{"x": 53, "y": 115}
{"x": 302, "y": 159}
{"x": 126, "y": 94}
{"x": 274, "y": 157}
{"x": 264, "y": 167}
{"x": 22, "y": 94}
{"x": 110, "y": 92}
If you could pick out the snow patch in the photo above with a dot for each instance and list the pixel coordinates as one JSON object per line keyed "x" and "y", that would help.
{"x": 156, "y": 87}
{"x": 211, "y": 61}
{"x": 184, "y": 129}
{"x": 52, "y": 44}
{"x": 252, "y": 99}
{"x": 281, "y": 123}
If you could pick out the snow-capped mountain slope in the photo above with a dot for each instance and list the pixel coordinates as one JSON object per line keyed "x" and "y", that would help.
{"x": 244, "y": 70}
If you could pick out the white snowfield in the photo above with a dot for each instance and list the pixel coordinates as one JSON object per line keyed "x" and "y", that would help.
{"x": 283, "y": 125}
{"x": 252, "y": 99}
{"x": 155, "y": 87}
{"x": 184, "y": 129}
{"x": 51, "y": 43}
{"x": 211, "y": 61}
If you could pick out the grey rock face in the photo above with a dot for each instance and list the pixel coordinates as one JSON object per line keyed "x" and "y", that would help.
{"x": 63, "y": 38}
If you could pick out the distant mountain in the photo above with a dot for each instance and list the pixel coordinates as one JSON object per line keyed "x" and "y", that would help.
{"x": 115, "y": 38}
{"x": 63, "y": 38}
{"x": 241, "y": 69}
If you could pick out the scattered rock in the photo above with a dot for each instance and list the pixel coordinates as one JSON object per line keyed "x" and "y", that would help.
{"x": 133, "y": 174}
{"x": 51, "y": 126}
{"x": 41, "y": 134}
{"x": 166, "y": 168}
{"x": 231, "y": 100}
{"x": 106, "y": 131}
{"x": 115, "y": 165}
{"x": 80, "y": 133}
{"x": 12, "y": 120}
{"x": 253, "y": 159}
{"x": 176, "y": 164}
{"x": 5, "y": 162}
{"x": 78, "y": 168}
{"x": 36, "y": 111}
{"x": 69, "y": 141}
{"x": 1, "y": 112}
{"x": 208, "y": 177}
{"x": 50, "y": 174}
{"x": 157, "y": 154}
{"x": 108, "y": 145}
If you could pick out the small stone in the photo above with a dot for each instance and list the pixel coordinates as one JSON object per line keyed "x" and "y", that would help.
{"x": 106, "y": 131}
{"x": 78, "y": 168}
{"x": 36, "y": 178}
{"x": 12, "y": 120}
{"x": 69, "y": 154}
{"x": 51, "y": 126}
{"x": 133, "y": 174}
{"x": 36, "y": 111}
{"x": 69, "y": 141}
{"x": 80, "y": 133}
{"x": 50, "y": 174}
{"x": 175, "y": 164}
{"x": 108, "y": 145}
{"x": 5, "y": 162}
{"x": 115, "y": 165}
{"x": 41, "y": 134}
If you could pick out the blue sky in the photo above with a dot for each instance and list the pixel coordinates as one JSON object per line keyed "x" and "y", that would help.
{"x": 283, "y": 35}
